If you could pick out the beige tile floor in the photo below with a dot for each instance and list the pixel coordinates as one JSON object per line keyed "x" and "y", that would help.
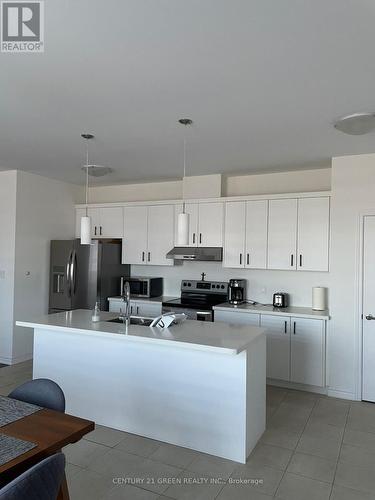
{"x": 314, "y": 448}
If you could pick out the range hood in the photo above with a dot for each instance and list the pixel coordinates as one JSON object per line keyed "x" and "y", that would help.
{"x": 196, "y": 253}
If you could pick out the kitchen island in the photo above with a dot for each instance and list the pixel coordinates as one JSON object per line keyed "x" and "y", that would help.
{"x": 198, "y": 384}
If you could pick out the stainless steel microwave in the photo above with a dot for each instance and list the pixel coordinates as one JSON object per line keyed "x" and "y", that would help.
{"x": 143, "y": 286}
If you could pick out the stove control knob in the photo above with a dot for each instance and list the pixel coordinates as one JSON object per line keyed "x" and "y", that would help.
{"x": 222, "y": 286}
{"x": 189, "y": 284}
{"x": 217, "y": 286}
{"x": 185, "y": 283}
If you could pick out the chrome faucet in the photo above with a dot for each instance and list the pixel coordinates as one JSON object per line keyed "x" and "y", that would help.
{"x": 125, "y": 295}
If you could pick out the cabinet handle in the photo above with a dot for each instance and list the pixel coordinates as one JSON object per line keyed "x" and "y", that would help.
{"x": 294, "y": 327}
{"x": 131, "y": 309}
{"x": 143, "y": 256}
{"x": 193, "y": 238}
{"x": 200, "y": 238}
{"x": 137, "y": 310}
{"x": 248, "y": 259}
{"x": 285, "y": 326}
{"x": 240, "y": 258}
{"x": 95, "y": 231}
{"x": 291, "y": 260}
{"x": 149, "y": 256}
{"x": 300, "y": 260}
{"x": 100, "y": 229}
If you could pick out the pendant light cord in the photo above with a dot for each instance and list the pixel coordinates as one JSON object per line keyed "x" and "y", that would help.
{"x": 184, "y": 175}
{"x": 87, "y": 175}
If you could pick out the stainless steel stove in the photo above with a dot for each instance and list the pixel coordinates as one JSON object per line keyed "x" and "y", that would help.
{"x": 198, "y": 298}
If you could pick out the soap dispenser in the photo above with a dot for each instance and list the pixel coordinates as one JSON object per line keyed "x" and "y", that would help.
{"x": 96, "y": 313}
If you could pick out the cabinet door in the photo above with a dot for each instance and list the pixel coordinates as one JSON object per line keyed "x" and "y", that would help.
{"x": 313, "y": 234}
{"x": 160, "y": 234}
{"x": 134, "y": 243}
{"x": 192, "y": 210}
{"x": 282, "y": 234}
{"x": 115, "y": 305}
{"x": 234, "y": 234}
{"x": 111, "y": 222}
{"x": 94, "y": 213}
{"x": 256, "y": 234}
{"x": 211, "y": 224}
{"x": 237, "y": 318}
{"x": 307, "y": 351}
{"x": 148, "y": 309}
{"x": 278, "y": 346}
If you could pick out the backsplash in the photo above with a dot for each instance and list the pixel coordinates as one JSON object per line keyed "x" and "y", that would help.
{"x": 261, "y": 284}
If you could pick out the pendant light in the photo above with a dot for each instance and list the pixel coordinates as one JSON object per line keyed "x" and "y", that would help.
{"x": 86, "y": 219}
{"x": 183, "y": 217}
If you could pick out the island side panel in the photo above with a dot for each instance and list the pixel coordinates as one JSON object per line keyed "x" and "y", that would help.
{"x": 256, "y": 392}
{"x": 191, "y": 398}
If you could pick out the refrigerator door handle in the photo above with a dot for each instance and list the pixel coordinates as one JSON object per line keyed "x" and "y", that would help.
{"x": 73, "y": 273}
{"x": 68, "y": 273}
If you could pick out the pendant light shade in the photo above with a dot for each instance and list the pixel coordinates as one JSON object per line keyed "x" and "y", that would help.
{"x": 86, "y": 230}
{"x": 183, "y": 218}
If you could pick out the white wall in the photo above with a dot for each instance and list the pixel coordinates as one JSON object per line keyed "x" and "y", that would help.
{"x": 353, "y": 193}
{"x": 279, "y": 182}
{"x": 272, "y": 183}
{"x": 45, "y": 211}
{"x": 8, "y": 182}
{"x": 261, "y": 283}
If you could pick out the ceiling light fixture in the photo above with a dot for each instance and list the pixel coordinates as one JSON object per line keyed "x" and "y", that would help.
{"x": 183, "y": 217}
{"x": 356, "y": 123}
{"x": 86, "y": 220}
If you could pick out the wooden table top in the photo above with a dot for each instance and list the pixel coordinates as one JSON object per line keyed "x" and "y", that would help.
{"x": 50, "y": 430}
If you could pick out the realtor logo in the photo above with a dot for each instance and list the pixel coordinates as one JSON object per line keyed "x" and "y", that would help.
{"x": 22, "y": 26}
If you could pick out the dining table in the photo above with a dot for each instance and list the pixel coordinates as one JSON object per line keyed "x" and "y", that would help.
{"x": 49, "y": 431}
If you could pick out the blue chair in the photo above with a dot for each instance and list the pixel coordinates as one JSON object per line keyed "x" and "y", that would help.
{"x": 41, "y": 392}
{"x": 41, "y": 482}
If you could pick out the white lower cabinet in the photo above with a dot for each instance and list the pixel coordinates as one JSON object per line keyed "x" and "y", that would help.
{"x": 307, "y": 352}
{"x": 295, "y": 346}
{"x": 137, "y": 308}
{"x": 278, "y": 346}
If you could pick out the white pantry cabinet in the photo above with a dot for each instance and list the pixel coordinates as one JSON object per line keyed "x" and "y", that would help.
{"x": 278, "y": 346}
{"x": 245, "y": 234}
{"x": 148, "y": 234}
{"x": 206, "y": 222}
{"x": 106, "y": 222}
{"x": 307, "y": 353}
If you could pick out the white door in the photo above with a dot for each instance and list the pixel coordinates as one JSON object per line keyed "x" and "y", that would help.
{"x": 278, "y": 346}
{"x": 313, "y": 234}
{"x": 160, "y": 234}
{"x": 368, "y": 321}
{"x": 282, "y": 234}
{"x": 307, "y": 351}
{"x": 192, "y": 210}
{"x": 94, "y": 213}
{"x": 134, "y": 243}
{"x": 210, "y": 225}
{"x": 256, "y": 234}
{"x": 111, "y": 222}
{"x": 234, "y": 234}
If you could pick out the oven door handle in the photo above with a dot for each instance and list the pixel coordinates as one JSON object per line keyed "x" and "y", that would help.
{"x": 204, "y": 315}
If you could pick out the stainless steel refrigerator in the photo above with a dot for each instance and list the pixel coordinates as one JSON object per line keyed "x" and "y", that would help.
{"x": 81, "y": 275}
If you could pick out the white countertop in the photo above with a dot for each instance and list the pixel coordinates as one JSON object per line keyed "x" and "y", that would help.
{"x": 155, "y": 300}
{"x": 201, "y": 335}
{"x": 297, "y": 312}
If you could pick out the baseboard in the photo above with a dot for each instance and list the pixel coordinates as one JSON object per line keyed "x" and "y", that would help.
{"x": 342, "y": 395}
{"x": 298, "y": 387}
{"x": 13, "y": 361}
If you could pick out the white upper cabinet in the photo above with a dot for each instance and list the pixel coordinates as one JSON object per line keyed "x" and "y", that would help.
{"x": 106, "y": 222}
{"x": 160, "y": 234}
{"x": 234, "y": 234}
{"x": 206, "y": 222}
{"x": 282, "y": 234}
{"x": 313, "y": 234}
{"x": 307, "y": 353}
{"x": 256, "y": 234}
{"x": 148, "y": 235}
{"x": 134, "y": 243}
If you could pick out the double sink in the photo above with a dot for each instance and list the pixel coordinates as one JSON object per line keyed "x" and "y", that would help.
{"x": 134, "y": 320}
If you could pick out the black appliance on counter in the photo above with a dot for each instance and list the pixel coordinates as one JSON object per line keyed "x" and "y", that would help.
{"x": 236, "y": 291}
{"x": 81, "y": 275}
{"x": 197, "y": 299}
{"x": 143, "y": 286}
{"x": 280, "y": 299}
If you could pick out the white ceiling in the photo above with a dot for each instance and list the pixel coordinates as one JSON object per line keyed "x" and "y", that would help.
{"x": 262, "y": 79}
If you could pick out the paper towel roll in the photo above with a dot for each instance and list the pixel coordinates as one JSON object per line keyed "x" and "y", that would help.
{"x": 319, "y": 298}
{"x": 183, "y": 230}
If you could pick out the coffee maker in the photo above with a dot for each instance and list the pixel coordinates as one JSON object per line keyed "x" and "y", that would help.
{"x": 236, "y": 291}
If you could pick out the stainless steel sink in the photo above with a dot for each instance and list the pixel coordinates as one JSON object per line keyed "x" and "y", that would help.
{"x": 134, "y": 320}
